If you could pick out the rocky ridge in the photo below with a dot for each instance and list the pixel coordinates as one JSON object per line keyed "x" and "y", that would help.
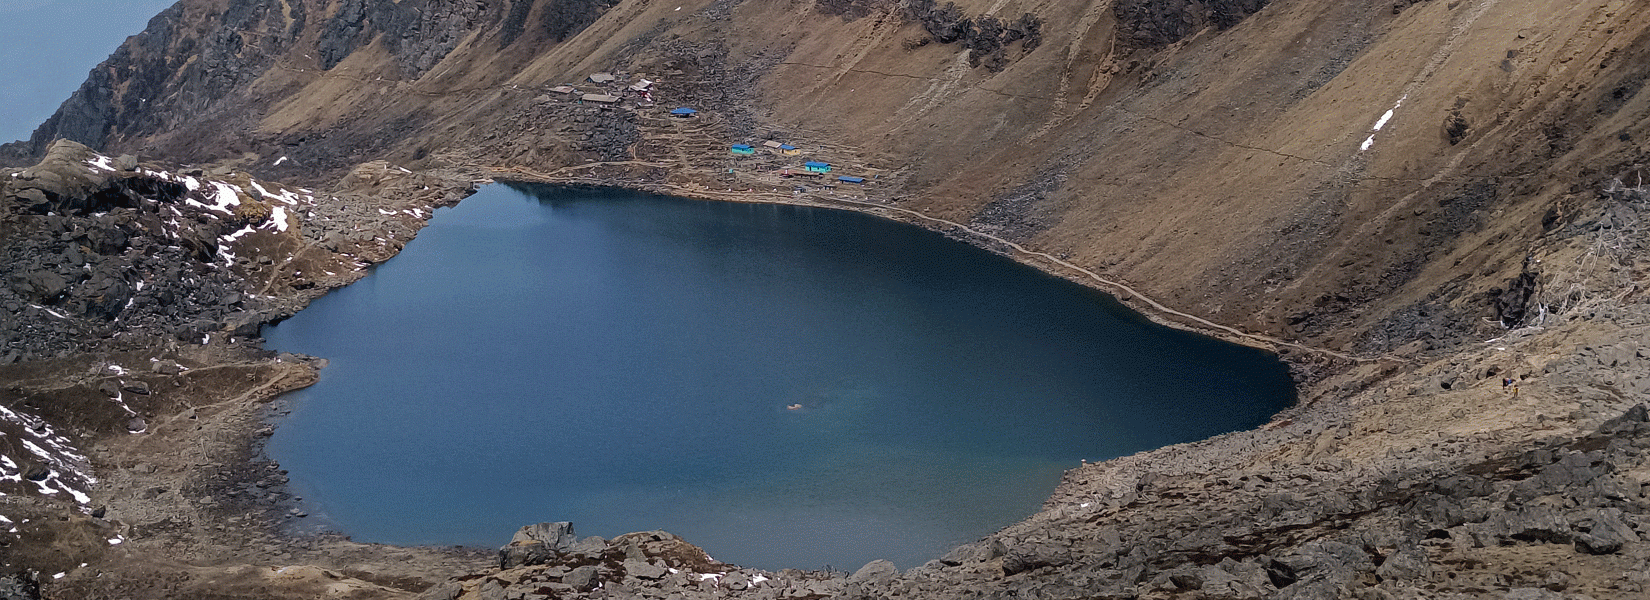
{"x": 1225, "y": 166}
{"x": 135, "y": 386}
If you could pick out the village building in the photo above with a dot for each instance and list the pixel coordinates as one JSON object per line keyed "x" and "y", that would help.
{"x": 683, "y": 112}
{"x": 600, "y": 98}
{"x": 851, "y": 179}
{"x": 603, "y": 78}
{"x": 789, "y": 150}
{"x": 814, "y": 166}
{"x": 564, "y": 89}
{"x": 742, "y": 149}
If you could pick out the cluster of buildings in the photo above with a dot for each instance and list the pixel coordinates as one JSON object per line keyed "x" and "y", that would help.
{"x": 812, "y": 168}
{"x": 642, "y": 92}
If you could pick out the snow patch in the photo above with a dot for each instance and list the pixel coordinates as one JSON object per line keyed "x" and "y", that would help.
{"x": 230, "y": 238}
{"x": 277, "y": 218}
{"x": 278, "y": 161}
{"x": 101, "y": 162}
{"x": 1381, "y": 122}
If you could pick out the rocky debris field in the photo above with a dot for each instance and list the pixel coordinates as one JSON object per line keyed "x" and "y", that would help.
{"x": 108, "y": 254}
{"x": 1566, "y": 518}
{"x": 136, "y": 396}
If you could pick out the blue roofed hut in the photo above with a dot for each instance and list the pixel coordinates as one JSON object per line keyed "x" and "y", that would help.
{"x": 683, "y": 112}
{"x": 850, "y": 179}
{"x": 814, "y": 166}
{"x": 743, "y": 149}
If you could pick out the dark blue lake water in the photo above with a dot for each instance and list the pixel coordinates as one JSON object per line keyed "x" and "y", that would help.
{"x": 628, "y": 363}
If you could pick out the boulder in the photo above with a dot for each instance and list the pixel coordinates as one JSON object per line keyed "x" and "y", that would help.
{"x": 521, "y": 554}
{"x": 1034, "y": 555}
{"x": 876, "y": 573}
{"x": 1329, "y": 563}
{"x": 1531, "y": 524}
{"x": 32, "y": 201}
{"x": 583, "y": 578}
{"x": 1601, "y": 531}
{"x": 642, "y": 569}
{"x": 536, "y": 544}
{"x": 736, "y": 581}
{"x": 41, "y": 286}
{"x": 966, "y": 553}
{"x": 1406, "y": 564}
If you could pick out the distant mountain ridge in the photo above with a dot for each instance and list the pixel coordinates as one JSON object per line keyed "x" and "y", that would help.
{"x": 1412, "y": 202}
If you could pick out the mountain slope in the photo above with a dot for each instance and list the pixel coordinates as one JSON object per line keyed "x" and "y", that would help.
{"x": 1410, "y": 200}
{"x": 1214, "y": 160}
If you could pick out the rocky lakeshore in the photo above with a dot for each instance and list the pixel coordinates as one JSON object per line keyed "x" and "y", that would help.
{"x": 1419, "y": 475}
{"x": 1434, "y": 211}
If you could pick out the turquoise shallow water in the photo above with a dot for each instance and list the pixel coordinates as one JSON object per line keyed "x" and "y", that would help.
{"x": 627, "y": 362}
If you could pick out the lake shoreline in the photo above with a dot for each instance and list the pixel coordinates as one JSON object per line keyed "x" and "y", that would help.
{"x": 1307, "y": 364}
{"x": 840, "y": 316}
{"x": 1356, "y": 426}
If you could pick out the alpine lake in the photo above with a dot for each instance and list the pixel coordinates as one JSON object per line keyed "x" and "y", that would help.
{"x": 783, "y": 386}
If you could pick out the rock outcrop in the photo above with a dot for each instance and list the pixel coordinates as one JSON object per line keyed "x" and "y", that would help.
{"x": 1432, "y": 210}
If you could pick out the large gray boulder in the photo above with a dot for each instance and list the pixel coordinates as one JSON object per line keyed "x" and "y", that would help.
{"x": 876, "y": 573}
{"x": 536, "y": 544}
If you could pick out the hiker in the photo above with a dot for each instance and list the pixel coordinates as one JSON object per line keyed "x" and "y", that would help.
{"x": 1505, "y": 383}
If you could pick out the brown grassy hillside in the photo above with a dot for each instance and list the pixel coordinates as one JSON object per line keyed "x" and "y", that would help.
{"x": 1211, "y": 159}
{"x": 1426, "y": 197}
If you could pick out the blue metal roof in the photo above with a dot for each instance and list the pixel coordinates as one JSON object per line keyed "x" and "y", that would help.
{"x": 683, "y": 111}
{"x": 815, "y": 163}
{"x": 848, "y": 179}
{"x": 786, "y": 147}
{"x": 741, "y": 147}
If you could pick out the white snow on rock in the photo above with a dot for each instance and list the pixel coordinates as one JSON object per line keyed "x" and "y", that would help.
{"x": 231, "y": 237}
{"x": 68, "y": 470}
{"x": 1381, "y": 122}
{"x": 101, "y": 162}
{"x": 227, "y": 196}
{"x": 277, "y": 219}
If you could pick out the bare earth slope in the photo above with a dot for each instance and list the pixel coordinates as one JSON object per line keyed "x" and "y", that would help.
{"x": 1412, "y": 201}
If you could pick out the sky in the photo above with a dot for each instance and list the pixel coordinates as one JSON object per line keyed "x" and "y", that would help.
{"x": 48, "y": 46}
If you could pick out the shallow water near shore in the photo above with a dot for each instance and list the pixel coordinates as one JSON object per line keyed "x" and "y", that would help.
{"x": 783, "y": 386}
